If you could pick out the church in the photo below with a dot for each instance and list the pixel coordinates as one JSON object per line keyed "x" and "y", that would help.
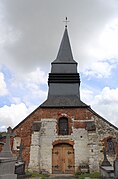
{"x": 64, "y": 135}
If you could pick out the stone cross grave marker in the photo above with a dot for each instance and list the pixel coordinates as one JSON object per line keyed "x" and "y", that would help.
{"x": 6, "y": 152}
{"x": 7, "y": 161}
{"x": 20, "y": 153}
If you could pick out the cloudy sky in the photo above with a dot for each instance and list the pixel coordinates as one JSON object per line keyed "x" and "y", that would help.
{"x": 30, "y": 35}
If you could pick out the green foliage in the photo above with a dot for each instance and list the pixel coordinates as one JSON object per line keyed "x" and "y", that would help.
{"x": 36, "y": 174}
{"x": 91, "y": 175}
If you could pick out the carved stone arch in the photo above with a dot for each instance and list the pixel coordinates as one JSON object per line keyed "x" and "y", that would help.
{"x": 67, "y": 141}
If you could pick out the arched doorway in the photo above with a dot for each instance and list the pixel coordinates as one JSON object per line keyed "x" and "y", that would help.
{"x": 63, "y": 159}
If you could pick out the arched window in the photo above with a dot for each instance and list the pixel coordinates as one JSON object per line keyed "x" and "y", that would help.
{"x": 63, "y": 126}
{"x": 110, "y": 146}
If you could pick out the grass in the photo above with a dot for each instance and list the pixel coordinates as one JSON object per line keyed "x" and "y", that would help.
{"x": 36, "y": 174}
{"x": 91, "y": 175}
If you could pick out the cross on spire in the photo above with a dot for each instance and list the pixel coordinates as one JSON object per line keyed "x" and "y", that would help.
{"x": 66, "y": 22}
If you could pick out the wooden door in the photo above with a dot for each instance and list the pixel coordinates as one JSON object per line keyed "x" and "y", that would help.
{"x": 63, "y": 159}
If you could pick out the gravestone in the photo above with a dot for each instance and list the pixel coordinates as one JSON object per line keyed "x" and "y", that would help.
{"x": 20, "y": 164}
{"x": 106, "y": 169}
{"x": 116, "y": 167}
{"x": 105, "y": 161}
{"x": 7, "y": 161}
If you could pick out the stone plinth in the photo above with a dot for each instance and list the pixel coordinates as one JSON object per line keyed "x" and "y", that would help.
{"x": 20, "y": 168}
{"x": 107, "y": 171}
{"x": 7, "y": 168}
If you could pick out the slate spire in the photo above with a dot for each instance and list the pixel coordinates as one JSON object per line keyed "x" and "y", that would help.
{"x": 64, "y": 80}
{"x": 65, "y": 53}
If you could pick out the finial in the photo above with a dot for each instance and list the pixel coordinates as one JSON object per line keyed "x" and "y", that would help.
{"x": 66, "y": 22}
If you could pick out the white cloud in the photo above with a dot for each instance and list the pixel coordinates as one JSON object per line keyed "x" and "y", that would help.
{"x": 105, "y": 45}
{"x": 87, "y": 95}
{"x": 38, "y": 77}
{"x": 31, "y": 85}
{"x": 25, "y": 90}
{"x": 102, "y": 51}
{"x": 107, "y": 96}
{"x": 99, "y": 69}
{"x": 13, "y": 114}
{"x": 3, "y": 86}
{"x": 31, "y": 38}
{"x": 105, "y": 103}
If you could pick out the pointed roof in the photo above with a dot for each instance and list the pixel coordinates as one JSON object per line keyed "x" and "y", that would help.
{"x": 65, "y": 53}
{"x": 64, "y": 80}
{"x": 63, "y": 102}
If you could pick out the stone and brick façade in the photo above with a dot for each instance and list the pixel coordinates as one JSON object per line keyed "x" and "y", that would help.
{"x": 87, "y": 131}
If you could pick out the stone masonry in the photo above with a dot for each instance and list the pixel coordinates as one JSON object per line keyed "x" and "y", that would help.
{"x": 88, "y": 145}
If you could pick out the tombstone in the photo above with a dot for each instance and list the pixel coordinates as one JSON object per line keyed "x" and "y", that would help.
{"x": 20, "y": 164}
{"x": 105, "y": 161}
{"x": 106, "y": 169}
{"x": 7, "y": 161}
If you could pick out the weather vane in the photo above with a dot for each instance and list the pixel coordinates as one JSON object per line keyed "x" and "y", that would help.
{"x": 66, "y": 22}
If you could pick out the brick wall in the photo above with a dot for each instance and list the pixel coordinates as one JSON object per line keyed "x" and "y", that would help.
{"x": 24, "y": 129}
{"x": 78, "y": 119}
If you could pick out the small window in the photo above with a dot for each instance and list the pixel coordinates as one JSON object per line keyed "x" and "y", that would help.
{"x": 63, "y": 126}
{"x": 16, "y": 143}
{"x": 90, "y": 126}
{"x": 110, "y": 145}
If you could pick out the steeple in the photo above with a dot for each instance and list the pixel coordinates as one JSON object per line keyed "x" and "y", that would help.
{"x": 64, "y": 80}
{"x": 64, "y": 62}
{"x": 65, "y": 53}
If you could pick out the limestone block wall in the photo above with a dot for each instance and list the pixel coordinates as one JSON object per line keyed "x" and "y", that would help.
{"x": 80, "y": 138}
{"x": 42, "y": 145}
{"x": 47, "y": 135}
{"x": 93, "y": 151}
{"x": 88, "y": 145}
{"x": 34, "y": 164}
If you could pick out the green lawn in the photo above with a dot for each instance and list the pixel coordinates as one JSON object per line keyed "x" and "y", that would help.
{"x": 91, "y": 175}
{"x": 35, "y": 175}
